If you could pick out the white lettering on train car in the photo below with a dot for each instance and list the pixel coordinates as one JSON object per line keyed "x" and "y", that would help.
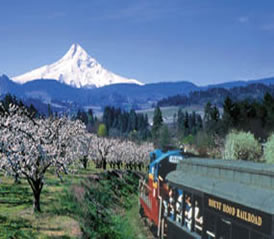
{"x": 175, "y": 158}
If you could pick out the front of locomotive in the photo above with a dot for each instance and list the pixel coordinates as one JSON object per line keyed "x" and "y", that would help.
{"x": 146, "y": 186}
{"x": 154, "y": 188}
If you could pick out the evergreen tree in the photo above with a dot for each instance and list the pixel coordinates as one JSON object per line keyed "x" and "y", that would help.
{"x": 214, "y": 114}
{"x": 33, "y": 111}
{"x": 146, "y": 121}
{"x": 212, "y": 119}
{"x": 199, "y": 122}
{"x": 157, "y": 121}
{"x": 207, "y": 111}
{"x": 268, "y": 103}
{"x": 180, "y": 120}
{"x": 49, "y": 111}
{"x": 186, "y": 124}
{"x": 140, "y": 122}
{"x": 108, "y": 117}
{"x": 193, "y": 123}
{"x": 90, "y": 117}
{"x": 164, "y": 138}
{"x": 174, "y": 120}
{"x": 9, "y": 99}
{"x": 132, "y": 121}
{"x": 82, "y": 115}
{"x": 227, "y": 120}
{"x": 91, "y": 121}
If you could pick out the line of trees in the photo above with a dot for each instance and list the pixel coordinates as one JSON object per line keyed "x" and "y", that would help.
{"x": 9, "y": 100}
{"x": 208, "y": 132}
{"x": 121, "y": 123}
{"x": 254, "y": 116}
{"x": 189, "y": 123}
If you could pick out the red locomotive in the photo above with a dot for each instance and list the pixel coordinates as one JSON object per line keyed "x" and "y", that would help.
{"x": 154, "y": 191}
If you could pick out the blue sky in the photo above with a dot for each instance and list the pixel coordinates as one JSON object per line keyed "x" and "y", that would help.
{"x": 202, "y": 41}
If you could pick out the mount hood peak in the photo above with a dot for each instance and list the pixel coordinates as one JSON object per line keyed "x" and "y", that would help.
{"x": 76, "y": 68}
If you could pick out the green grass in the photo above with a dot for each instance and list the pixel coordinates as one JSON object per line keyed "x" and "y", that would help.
{"x": 16, "y": 215}
{"x": 136, "y": 226}
{"x": 18, "y": 221}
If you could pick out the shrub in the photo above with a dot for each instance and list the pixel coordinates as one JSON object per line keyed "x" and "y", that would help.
{"x": 188, "y": 139}
{"x": 242, "y": 146}
{"x": 102, "y": 130}
{"x": 203, "y": 139}
{"x": 269, "y": 150}
{"x": 204, "y": 143}
{"x": 164, "y": 139}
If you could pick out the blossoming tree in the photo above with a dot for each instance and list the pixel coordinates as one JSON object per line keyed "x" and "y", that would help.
{"x": 30, "y": 146}
{"x": 85, "y": 151}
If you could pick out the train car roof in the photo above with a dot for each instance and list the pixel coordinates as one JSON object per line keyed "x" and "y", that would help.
{"x": 247, "y": 183}
{"x": 164, "y": 155}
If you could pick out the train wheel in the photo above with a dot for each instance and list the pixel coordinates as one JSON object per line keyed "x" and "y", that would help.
{"x": 141, "y": 211}
{"x": 154, "y": 230}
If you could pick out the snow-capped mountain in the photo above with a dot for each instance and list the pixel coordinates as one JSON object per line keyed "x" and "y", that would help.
{"x": 76, "y": 68}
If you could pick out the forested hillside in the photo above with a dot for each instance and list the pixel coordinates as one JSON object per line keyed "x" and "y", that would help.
{"x": 217, "y": 95}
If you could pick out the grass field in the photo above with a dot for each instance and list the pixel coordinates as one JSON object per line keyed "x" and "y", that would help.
{"x": 18, "y": 221}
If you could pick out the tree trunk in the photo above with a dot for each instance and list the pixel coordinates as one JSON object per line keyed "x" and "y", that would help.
{"x": 85, "y": 163}
{"x": 104, "y": 164}
{"x": 17, "y": 178}
{"x": 36, "y": 202}
{"x": 98, "y": 164}
{"x": 36, "y": 186}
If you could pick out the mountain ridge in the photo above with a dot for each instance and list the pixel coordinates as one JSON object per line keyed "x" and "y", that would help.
{"x": 125, "y": 96}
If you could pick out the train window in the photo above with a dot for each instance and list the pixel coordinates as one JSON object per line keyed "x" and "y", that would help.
{"x": 224, "y": 228}
{"x": 198, "y": 215}
{"x": 210, "y": 225}
{"x": 179, "y": 206}
{"x": 188, "y": 211}
{"x": 255, "y": 235}
{"x": 171, "y": 203}
{"x": 239, "y": 232}
{"x": 164, "y": 193}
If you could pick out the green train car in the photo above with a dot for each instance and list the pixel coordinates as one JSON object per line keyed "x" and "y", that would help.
{"x": 220, "y": 199}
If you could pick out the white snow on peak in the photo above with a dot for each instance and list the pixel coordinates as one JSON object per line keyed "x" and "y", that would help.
{"x": 76, "y": 68}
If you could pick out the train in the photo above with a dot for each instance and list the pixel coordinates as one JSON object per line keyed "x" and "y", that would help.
{"x": 184, "y": 196}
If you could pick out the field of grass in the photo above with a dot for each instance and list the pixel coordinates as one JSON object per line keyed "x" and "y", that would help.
{"x": 16, "y": 215}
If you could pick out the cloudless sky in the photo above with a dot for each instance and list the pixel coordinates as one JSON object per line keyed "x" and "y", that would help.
{"x": 202, "y": 41}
